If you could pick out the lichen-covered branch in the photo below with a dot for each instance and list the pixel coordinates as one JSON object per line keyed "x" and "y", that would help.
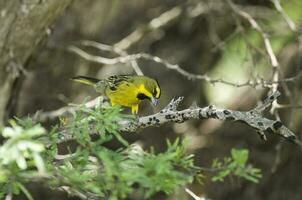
{"x": 252, "y": 118}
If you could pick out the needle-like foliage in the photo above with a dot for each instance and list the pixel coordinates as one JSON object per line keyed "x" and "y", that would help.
{"x": 92, "y": 170}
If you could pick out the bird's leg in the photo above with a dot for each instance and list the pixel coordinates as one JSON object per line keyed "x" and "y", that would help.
{"x": 134, "y": 109}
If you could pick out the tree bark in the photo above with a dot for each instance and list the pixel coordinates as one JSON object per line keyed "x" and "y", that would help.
{"x": 23, "y": 25}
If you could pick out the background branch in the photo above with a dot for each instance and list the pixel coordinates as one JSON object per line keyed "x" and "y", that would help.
{"x": 175, "y": 67}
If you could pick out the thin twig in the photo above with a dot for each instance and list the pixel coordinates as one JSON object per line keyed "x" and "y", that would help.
{"x": 43, "y": 116}
{"x": 116, "y": 50}
{"x": 156, "y": 23}
{"x": 192, "y": 194}
{"x": 177, "y": 68}
{"x": 286, "y": 18}
{"x": 255, "y": 25}
{"x": 281, "y": 106}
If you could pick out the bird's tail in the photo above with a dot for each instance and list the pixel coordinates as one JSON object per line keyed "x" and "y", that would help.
{"x": 86, "y": 80}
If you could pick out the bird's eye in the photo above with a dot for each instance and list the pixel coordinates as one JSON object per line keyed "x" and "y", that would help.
{"x": 142, "y": 96}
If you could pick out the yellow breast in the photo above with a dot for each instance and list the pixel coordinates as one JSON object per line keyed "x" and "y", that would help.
{"x": 125, "y": 94}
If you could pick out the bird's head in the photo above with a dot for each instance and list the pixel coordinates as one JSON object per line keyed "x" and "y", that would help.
{"x": 149, "y": 89}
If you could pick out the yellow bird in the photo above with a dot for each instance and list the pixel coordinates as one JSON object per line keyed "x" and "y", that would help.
{"x": 125, "y": 90}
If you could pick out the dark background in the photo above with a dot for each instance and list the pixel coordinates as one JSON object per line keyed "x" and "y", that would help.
{"x": 206, "y": 37}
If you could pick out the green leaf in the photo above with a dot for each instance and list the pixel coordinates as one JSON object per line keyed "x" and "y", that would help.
{"x": 240, "y": 156}
{"x": 25, "y": 191}
{"x": 236, "y": 165}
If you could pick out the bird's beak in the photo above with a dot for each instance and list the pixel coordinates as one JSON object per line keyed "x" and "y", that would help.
{"x": 154, "y": 101}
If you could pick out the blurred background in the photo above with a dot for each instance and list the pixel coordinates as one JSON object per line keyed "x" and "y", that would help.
{"x": 203, "y": 37}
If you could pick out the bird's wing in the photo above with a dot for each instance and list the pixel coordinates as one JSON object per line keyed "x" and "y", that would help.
{"x": 101, "y": 86}
{"x": 114, "y": 81}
